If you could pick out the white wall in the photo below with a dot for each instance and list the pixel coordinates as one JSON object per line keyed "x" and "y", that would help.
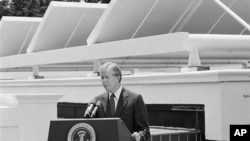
{"x": 222, "y": 93}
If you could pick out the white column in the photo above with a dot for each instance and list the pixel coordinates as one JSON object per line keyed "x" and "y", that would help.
{"x": 8, "y": 118}
{"x": 29, "y": 120}
{"x": 35, "y": 113}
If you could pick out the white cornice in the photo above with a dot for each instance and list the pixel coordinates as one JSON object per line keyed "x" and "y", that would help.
{"x": 163, "y": 78}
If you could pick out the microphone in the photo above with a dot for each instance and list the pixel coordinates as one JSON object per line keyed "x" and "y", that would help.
{"x": 98, "y": 104}
{"x": 89, "y": 108}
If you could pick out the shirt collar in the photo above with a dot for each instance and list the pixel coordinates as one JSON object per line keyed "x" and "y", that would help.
{"x": 117, "y": 93}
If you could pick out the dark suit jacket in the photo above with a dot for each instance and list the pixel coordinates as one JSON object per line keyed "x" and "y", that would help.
{"x": 130, "y": 108}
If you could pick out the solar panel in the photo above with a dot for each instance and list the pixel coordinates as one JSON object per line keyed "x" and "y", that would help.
{"x": 66, "y": 24}
{"x": 130, "y": 19}
{"x": 16, "y": 34}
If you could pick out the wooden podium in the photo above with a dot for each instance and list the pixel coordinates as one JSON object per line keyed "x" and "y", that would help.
{"x": 94, "y": 129}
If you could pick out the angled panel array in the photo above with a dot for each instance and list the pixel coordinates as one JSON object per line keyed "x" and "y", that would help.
{"x": 84, "y": 28}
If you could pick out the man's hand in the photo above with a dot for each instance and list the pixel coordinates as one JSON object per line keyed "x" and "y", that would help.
{"x": 136, "y": 136}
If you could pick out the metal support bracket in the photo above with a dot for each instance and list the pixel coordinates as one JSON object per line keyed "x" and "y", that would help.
{"x": 231, "y": 13}
{"x": 35, "y": 70}
{"x": 194, "y": 62}
{"x": 97, "y": 64}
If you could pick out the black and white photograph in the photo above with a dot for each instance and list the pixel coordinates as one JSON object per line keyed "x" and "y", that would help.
{"x": 124, "y": 70}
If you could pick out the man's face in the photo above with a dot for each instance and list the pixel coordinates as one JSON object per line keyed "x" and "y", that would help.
{"x": 109, "y": 81}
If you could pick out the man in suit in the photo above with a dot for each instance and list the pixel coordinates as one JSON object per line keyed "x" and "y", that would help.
{"x": 118, "y": 101}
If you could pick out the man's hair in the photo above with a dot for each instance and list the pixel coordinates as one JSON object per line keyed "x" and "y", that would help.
{"x": 116, "y": 71}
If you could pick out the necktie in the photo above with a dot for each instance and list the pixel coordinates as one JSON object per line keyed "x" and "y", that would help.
{"x": 112, "y": 104}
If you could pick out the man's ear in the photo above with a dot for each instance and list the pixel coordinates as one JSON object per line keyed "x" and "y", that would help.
{"x": 119, "y": 78}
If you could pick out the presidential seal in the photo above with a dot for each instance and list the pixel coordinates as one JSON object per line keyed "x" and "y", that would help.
{"x": 82, "y": 132}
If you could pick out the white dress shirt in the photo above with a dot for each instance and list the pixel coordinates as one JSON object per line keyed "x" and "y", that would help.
{"x": 117, "y": 96}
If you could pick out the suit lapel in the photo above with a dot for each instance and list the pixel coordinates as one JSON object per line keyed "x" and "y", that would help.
{"x": 123, "y": 100}
{"x": 105, "y": 101}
